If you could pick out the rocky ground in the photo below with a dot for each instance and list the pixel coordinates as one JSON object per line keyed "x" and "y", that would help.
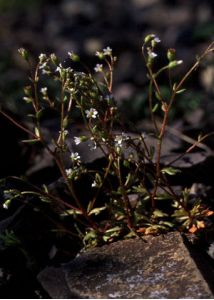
{"x": 84, "y": 26}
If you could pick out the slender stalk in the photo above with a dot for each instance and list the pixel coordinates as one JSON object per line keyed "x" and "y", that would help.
{"x": 62, "y": 141}
{"x": 128, "y": 208}
{"x": 104, "y": 178}
{"x": 19, "y": 125}
{"x": 110, "y": 66}
{"x": 150, "y": 107}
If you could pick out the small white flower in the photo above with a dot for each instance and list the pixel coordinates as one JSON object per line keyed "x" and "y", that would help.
{"x": 94, "y": 184}
{"x": 99, "y": 54}
{"x": 107, "y": 51}
{"x": 44, "y": 90}
{"x": 75, "y": 157}
{"x": 43, "y": 66}
{"x": 77, "y": 140}
{"x": 151, "y": 54}
{"x": 59, "y": 68}
{"x": 71, "y": 90}
{"x": 64, "y": 132}
{"x": 211, "y": 250}
{"x": 68, "y": 172}
{"x": 6, "y": 204}
{"x": 157, "y": 40}
{"x": 27, "y": 99}
{"x": 98, "y": 68}
{"x": 91, "y": 113}
{"x": 69, "y": 70}
{"x": 179, "y": 62}
{"x": 45, "y": 71}
{"x": 118, "y": 140}
{"x": 53, "y": 57}
{"x": 42, "y": 57}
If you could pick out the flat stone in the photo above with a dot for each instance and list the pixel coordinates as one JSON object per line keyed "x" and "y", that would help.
{"x": 161, "y": 267}
{"x": 53, "y": 281}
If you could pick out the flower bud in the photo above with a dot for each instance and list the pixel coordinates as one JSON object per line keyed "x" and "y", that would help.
{"x": 74, "y": 56}
{"x": 171, "y": 54}
{"x": 28, "y": 90}
{"x": 54, "y": 59}
{"x": 175, "y": 63}
{"x": 24, "y": 54}
{"x": 148, "y": 38}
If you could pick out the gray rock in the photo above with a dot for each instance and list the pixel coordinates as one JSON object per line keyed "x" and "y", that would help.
{"x": 53, "y": 281}
{"x": 161, "y": 267}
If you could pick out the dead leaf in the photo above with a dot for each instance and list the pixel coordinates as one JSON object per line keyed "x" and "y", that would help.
{"x": 141, "y": 230}
{"x": 200, "y": 224}
{"x": 208, "y": 212}
{"x": 193, "y": 229}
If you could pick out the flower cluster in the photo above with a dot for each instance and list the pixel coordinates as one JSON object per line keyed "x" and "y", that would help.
{"x": 105, "y": 52}
{"x": 119, "y": 139}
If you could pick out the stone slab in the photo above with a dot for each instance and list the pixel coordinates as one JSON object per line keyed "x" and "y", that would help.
{"x": 159, "y": 268}
{"x": 53, "y": 281}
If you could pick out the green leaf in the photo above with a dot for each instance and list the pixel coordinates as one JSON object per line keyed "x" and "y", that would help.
{"x": 128, "y": 179}
{"x": 157, "y": 95}
{"x": 37, "y": 132}
{"x": 71, "y": 212}
{"x": 155, "y": 107}
{"x": 164, "y": 196}
{"x": 181, "y": 91}
{"x": 33, "y": 141}
{"x": 169, "y": 224}
{"x": 170, "y": 171}
{"x": 174, "y": 86}
{"x": 151, "y": 152}
{"x": 27, "y": 99}
{"x": 114, "y": 229}
{"x": 45, "y": 188}
{"x": 158, "y": 213}
{"x": 98, "y": 179}
{"x": 91, "y": 235}
{"x": 113, "y": 232}
{"x": 65, "y": 122}
{"x": 45, "y": 199}
{"x": 96, "y": 211}
{"x": 39, "y": 113}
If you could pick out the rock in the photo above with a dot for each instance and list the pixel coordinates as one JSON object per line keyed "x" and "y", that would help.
{"x": 53, "y": 281}
{"x": 161, "y": 267}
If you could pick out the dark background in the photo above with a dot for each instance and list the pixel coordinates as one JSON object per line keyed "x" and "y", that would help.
{"x": 84, "y": 26}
